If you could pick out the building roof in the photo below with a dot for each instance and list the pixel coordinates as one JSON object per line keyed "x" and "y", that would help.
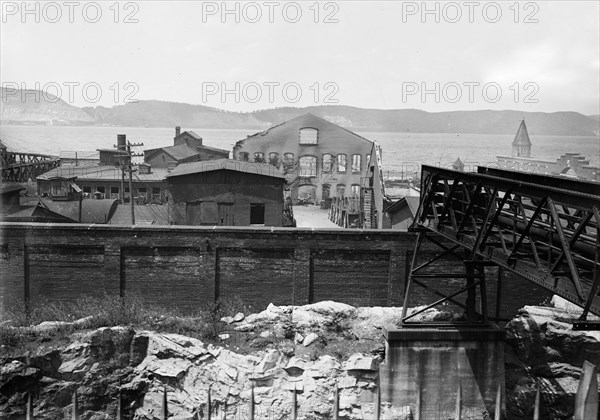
{"x": 226, "y": 164}
{"x": 183, "y": 151}
{"x": 307, "y": 122}
{"x": 191, "y": 133}
{"x": 92, "y": 211}
{"x": 7, "y": 189}
{"x": 458, "y": 164}
{"x": 411, "y": 202}
{"x": 522, "y": 137}
{"x": 101, "y": 173}
{"x": 148, "y": 214}
{"x": 38, "y": 213}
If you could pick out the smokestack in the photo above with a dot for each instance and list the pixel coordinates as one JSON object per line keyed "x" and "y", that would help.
{"x": 177, "y": 131}
{"x": 121, "y": 141}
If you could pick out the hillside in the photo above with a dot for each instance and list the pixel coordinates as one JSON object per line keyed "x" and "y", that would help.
{"x": 34, "y": 107}
{"x": 25, "y": 109}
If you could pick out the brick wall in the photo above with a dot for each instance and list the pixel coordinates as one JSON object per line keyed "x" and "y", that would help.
{"x": 187, "y": 267}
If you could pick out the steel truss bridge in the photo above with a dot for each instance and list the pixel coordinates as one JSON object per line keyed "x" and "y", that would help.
{"x": 21, "y": 167}
{"x": 544, "y": 229}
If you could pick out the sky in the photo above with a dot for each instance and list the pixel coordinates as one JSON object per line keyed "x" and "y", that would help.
{"x": 244, "y": 56}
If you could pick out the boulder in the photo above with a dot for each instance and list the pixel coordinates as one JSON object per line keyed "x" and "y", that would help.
{"x": 17, "y": 377}
{"x": 309, "y": 339}
{"x": 227, "y": 319}
{"x": 320, "y": 312}
{"x": 361, "y": 362}
{"x": 238, "y": 317}
{"x": 170, "y": 368}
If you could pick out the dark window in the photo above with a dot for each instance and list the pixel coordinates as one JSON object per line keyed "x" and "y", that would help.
{"x": 257, "y": 214}
{"x": 155, "y": 190}
{"x": 101, "y": 190}
{"x": 259, "y": 157}
{"x": 87, "y": 190}
{"x": 274, "y": 159}
{"x": 142, "y": 192}
{"x": 326, "y": 191}
{"x": 244, "y": 156}
{"x": 114, "y": 190}
{"x": 288, "y": 163}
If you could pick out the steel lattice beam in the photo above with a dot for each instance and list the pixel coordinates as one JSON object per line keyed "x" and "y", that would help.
{"x": 545, "y": 229}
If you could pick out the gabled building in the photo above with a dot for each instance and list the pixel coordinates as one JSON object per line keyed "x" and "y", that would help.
{"x": 227, "y": 193}
{"x": 187, "y": 147}
{"x": 521, "y": 145}
{"x": 320, "y": 160}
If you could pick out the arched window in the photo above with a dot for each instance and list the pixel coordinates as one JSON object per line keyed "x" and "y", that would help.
{"x": 356, "y": 164}
{"x": 327, "y": 165}
{"x": 308, "y": 166}
{"x": 340, "y": 189}
{"x": 341, "y": 163}
{"x": 288, "y": 163}
{"x": 355, "y": 190}
{"x": 309, "y": 136}
{"x": 274, "y": 159}
{"x": 259, "y": 157}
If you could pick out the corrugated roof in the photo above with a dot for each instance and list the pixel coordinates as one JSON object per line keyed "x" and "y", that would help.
{"x": 92, "y": 211}
{"x": 180, "y": 152}
{"x": 148, "y": 214}
{"x": 522, "y": 137}
{"x": 101, "y": 173}
{"x": 227, "y": 164}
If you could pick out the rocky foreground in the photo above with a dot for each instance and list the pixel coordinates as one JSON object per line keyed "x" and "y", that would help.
{"x": 310, "y": 349}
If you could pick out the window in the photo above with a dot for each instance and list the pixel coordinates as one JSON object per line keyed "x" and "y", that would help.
{"x": 259, "y": 157}
{"x": 325, "y": 194}
{"x": 327, "y": 165}
{"x": 274, "y": 159}
{"x": 368, "y": 160}
{"x": 308, "y": 166}
{"x": 341, "y": 162}
{"x": 156, "y": 196}
{"x": 340, "y": 189}
{"x": 309, "y": 135}
{"x": 142, "y": 192}
{"x": 257, "y": 214}
{"x": 356, "y": 164}
{"x": 244, "y": 156}
{"x": 355, "y": 190}
{"x": 288, "y": 163}
{"x": 114, "y": 192}
{"x": 87, "y": 190}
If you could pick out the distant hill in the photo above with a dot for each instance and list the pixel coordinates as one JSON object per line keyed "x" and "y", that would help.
{"x": 169, "y": 114}
{"x": 35, "y": 107}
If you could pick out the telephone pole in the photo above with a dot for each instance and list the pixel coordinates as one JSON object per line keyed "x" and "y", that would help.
{"x": 127, "y": 164}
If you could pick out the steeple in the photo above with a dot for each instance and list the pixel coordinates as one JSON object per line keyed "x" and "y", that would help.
{"x": 521, "y": 145}
{"x": 458, "y": 165}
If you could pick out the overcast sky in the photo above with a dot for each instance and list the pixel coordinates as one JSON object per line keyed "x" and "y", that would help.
{"x": 373, "y": 54}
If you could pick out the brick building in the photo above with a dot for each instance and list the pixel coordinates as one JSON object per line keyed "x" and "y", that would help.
{"x": 319, "y": 159}
{"x": 227, "y": 193}
{"x": 187, "y": 147}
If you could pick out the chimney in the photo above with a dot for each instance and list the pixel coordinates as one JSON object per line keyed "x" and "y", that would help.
{"x": 121, "y": 142}
{"x": 177, "y": 131}
{"x": 172, "y": 164}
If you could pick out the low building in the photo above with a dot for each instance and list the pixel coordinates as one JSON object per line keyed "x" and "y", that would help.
{"x": 104, "y": 182}
{"x": 401, "y": 213}
{"x": 227, "y": 193}
{"x": 187, "y": 147}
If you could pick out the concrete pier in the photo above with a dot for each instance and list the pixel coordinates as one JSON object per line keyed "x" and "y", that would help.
{"x": 427, "y": 367}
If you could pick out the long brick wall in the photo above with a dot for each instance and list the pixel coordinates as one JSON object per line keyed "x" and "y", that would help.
{"x": 187, "y": 267}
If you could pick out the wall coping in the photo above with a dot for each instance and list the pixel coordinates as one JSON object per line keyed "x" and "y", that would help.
{"x": 8, "y": 226}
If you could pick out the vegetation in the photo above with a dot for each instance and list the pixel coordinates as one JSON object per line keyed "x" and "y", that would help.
{"x": 55, "y": 321}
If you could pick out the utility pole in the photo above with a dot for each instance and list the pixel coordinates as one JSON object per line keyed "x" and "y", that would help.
{"x": 128, "y": 162}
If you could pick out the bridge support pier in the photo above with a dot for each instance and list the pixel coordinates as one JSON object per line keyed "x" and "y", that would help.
{"x": 427, "y": 367}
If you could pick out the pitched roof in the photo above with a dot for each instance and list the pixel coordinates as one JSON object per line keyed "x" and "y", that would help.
{"x": 148, "y": 214}
{"x": 191, "y": 133}
{"x": 306, "y": 118}
{"x": 101, "y": 173}
{"x": 522, "y": 137}
{"x": 7, "y": 189}
{"x": 227, "y": 164}
{"x": 180, "y": 152}
{"x": 408, "y": 201}
{"x": 38, "y": 213}
{"x": 458, "y": 164}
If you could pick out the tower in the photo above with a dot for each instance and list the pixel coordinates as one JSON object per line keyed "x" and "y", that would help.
{"x": 521, "y": 145}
